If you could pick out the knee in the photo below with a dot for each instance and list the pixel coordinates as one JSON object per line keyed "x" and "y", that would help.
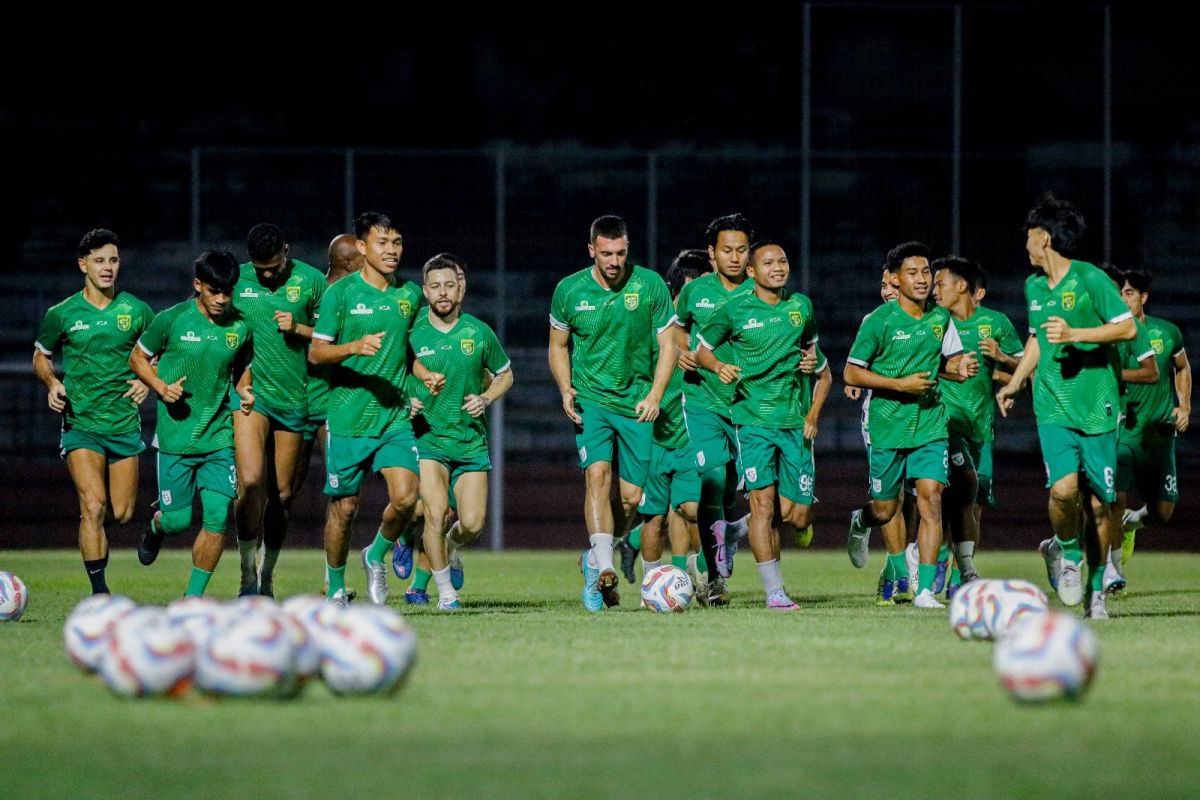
{"x": 1161, "y": 513}
{"x": 800, "y": 516}
{"x": 884, "y": 510}
{"x": 631, "y": 497}
{"x": 250, "y": 481}
{"x": 471, "y": 524}
{"x": 598, "y": 476}
{"x": 121, "y": 515}
{"x": 343, "y": 509}
{"x": 285, "y": 496}
{"x": 92, "y": 507}
{"x": 176, "y": 522}
{"x": 1065, "y": 491}
{"x": 762, "y": 503}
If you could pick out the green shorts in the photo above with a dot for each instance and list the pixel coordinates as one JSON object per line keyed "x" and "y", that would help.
{"x": 1066, "y": 451}
{"x": 480, "y": 462}
{"x": 769, "y": 455}
{"x": 290, "y": 419}
{"x": 986, "y": 495}
{"x": 181, "y": 476}
{"x": 1148, "y": 462}
{"x": 712, "y": 436}
{"x": 594, "y": 442}
{"x": 671, "y": 481}
{"x": 349, "y": 458}
{"x": 113, "y": 446}
{"x": 313, "y": 426}
{"x": 891, "y": 467}
{"x": 964, "y": 453}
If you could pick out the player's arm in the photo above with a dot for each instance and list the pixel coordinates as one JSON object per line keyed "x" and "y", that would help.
{"x": 1183, "y": 389}
{"x": 1146, "y": 372}
{"x": 687, "y": 359}
{"x": 286, "y": 322}
{"x": 560, "y": 368}
{"x": 1059, "y": 332}
{"x": 324, "y": 351}
{"x": 243, "y": 377}
{"x": 647, "y": 408}
{"x": 476, "y": 404}
{"x": 139, "y": 362}
{"x": 956, "y": 365}
{"x": 43, "y": 368}
{"x": 434, "y": 381}
{"x": 820, "y": 392}
{"x": 864, "y": 378}
{"x": 1025, "y": 367}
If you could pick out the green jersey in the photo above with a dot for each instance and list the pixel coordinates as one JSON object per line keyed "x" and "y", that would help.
{"x": 1151, "y": 405}
{"x": 1076, "y": 384}
{"x": 367, "y": 396}
{"x": 971, "y": 405}
{"x": 318, "y": 390}
{"x": 96, "y": 343}
{"x": 612, "y": 334}
{"x": 670, "y": 430}
{"x": 462, "y": 354}
{"x": 206, "y": 352}
{"x": 894, "y": 344}
{"x": 698, "y": 300}
{"x": 280, "y": 359}
{"x": 1131, "y": 353}
{"x": 768, "y": 343}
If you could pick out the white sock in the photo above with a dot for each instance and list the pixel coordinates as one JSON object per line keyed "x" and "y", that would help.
{"x": 769, "y": 572}
{"x": 691, "y": 563}
{"x": 445, "y": 589}
{"x": 453, "y": 534}
{"x": 270, "y": 556}
{"x": 600, "y": 555}
{"x": 247, "y": 549}
{"x": 1139, "y": 515}
{"x": 779, "y": 573}
{"x": 1114, "y": 558}
{"x": 964, "y": 552}
{"x": 649, "y": 566}
{"x": 738, "y": 529}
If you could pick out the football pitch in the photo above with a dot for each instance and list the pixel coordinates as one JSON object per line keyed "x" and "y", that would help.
{"x": 523, "y": 694}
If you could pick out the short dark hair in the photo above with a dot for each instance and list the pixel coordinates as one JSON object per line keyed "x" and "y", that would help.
{"x": 218, "y": 268}
{"x": 373, "y": 219}
{"x": 690, "y": 263}
{"x": 444, "y": 261}
{"x": 1061, "y": 220}
{"x": 760, "y": 244}
{"x": 95, "y": 239}
{"x": 964, "y": 268}
{"x": 897, "y": 254}
{"x": 610, "y": 226}
{"x": 982, "y": 278}
{"x": 264, "y": 242}
{"x": 1114, "y": 274}
{"x": 1139, "y": 279}
{"x": 729, "y": 222}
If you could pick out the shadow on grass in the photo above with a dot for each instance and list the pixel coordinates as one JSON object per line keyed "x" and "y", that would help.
{"x": 1122, "y": 614}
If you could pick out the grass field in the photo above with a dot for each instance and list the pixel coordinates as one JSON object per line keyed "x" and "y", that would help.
{"x": 524, "y": 695}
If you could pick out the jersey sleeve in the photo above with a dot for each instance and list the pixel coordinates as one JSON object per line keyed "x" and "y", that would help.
{"x": 822, "y": 361}
{"x": 1176, "y": 342}
{"x": 1140, "y": 348}
{"x": 951, "y": 341}
{"x": 810, "y": 325}
{"x": 154, "y": 340}
{"x": 560, "y": 308}
{"x": 1107, "y": 298}
{"x": 329, "y": 316}
{"x": 683, "y": 307}
{"x": 662, "y": 313}
{"x": 1010, "y": 343}
{"x": 495, "y": 360}
{"x": 50, "y": 335}
{"x": 318, "y": 294}
{"x": 867, "y": 342}
{"x": 719, "y": 328}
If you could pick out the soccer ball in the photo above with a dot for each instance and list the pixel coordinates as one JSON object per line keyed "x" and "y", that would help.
{"x": 147, "y": 656}
{"x": 250, "y": 655}
{"x": 667, "y": 588}
{"x": 306, "y": 655}
{"x": 1008, "y": 601}
{"x": 13, "y": 597}
{"x": 198, "y": 617}
{"x": 965, "y": 611}
{"x": 366, "y": 650}
{"x": 88, "y": 626}
{"x": 1046, "y": 657}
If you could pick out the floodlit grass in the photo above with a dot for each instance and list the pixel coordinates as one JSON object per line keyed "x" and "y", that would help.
{"x": 525, "y": 695}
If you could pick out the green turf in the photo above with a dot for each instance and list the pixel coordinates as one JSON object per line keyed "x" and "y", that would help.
{"x": 524, "y": 695}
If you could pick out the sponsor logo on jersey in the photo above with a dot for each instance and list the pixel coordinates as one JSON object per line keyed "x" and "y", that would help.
{"x": 752, "y": 323}
{"x": 1157, "y": 345}
{"x": 938, "y": 330}
{"x": 361, "y": 308}
{"x": 899, "y": 335}
{"x": 248, "y": 292}
{"x": 190, "y": 336}
{"x": 467, "y": 346}
{"x": 1068, "y": 301}
{"x": 584, "y": 305}
{"x": 795, "y": 317}
{"x": 124, "y": 322}
{"x": 405, "y": 308}
{"x": 751, "y": 474}
{"x": 1035, "y": 306}
{"x": 704, "y": 302}
{"x": 80, "y": 325}
{"x": 425, "y": 352}
{"x": 985, "y": 331}
{"x": 231, "y": 340}
{"x": 293, "y": 294}
{"x": 631, "y": 300}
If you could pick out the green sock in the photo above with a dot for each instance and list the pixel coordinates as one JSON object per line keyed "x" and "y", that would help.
{"x": 1096, "y": 578}
{"x": 634, "y": 539}
{"x": 337, "y": 579}
{"x": 955, "y": 577}
{"x": 925, "y": 575}
{"x": 701, "y": 563}
{"x": 409, "y": 535}
{"x": 896, "y": 566}
{"x": 679, "y": 561}
{"x": 379, "y": 548}
{"x": 943, "y": 553}
{"x": 197, "y": 582}
{"x": 420, "y": 579}
{"x": 1070, "y": 549}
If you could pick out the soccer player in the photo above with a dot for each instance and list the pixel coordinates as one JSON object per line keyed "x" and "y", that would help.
{"x": 776, "y": 406}
{"x": 899, "y": 353}
{"x": 363, "y": 326}
{"x": 203, "y": 346}
{"x": 451, "y": 427}
{"x": 969, "y": 405}
{"x": 278, "y": 296}
{"x": 1075, "y": 316}
{"x": 707, "y": 399}
{"x": 98, "y": 397}
{"x": 610, "y": 313}
{"x": 1155, "y": 414}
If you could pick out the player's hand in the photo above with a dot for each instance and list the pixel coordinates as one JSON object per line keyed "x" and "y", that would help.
{"x": 1058, "y": 331}
{"x": 368, "y": 345}
{"x": 138, "y": 391}
{"x": 687, "y": 360}
{"x": 434, "y": 382}
{"x": 568, "y": 404}
{"x": 247, "y": 395}
{"x": 917, "y": 383}
{"x": 475, "y": 404}
{"x": 647, "y": 409}
{"x": 415, "y": 407}
{"x": 851, "y": 392}
{"x": 808, "y": 362}
{"x": 990, "y": 348}
{"x": 1004, "y": 397}
{"x": 729, "y": 373}
{"x": 285, "y": 321}
{"x": 810, "y": 429}
{"x": 1181, "y": 418}
{"x": 968, "y": 365}
{"x": 57, "y": 397}
{"x": 173, "y": 391}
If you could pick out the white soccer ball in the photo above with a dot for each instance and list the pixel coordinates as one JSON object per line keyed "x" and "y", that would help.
{"x": 147, "y": 656}
{"x": 13, "y": 597}
{"x": 306, "y": 655}
{"x": 666, "y": 589}
{"x": 366, "y": 650}
{"x": 199, "y": 617}
{"x": 306, "y": 610}
{"x": 250, "y": 655}
{"x": 1046, "y": 657}
{"x": 1007, "y": 602}
{"x": 88, "y": 626}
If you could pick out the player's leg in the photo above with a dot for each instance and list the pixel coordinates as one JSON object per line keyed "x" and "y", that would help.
{"x": 958, "y": 502}
{"x": 435, "y": 499}
{"x": 652, "y": 542}
{"x": 886, "y": 486}
{"x": 217, "y": 481}
{"x": 288, "y": 447}
{"x": 760, "y": 453}
{"x": 929, "y": 539}
{"x": 594, "y": 440}
{"x": 1063, "y": 553}
{"x": 710, "y": 437}
{"x": 87, "y": 469}
{"x": 250, "y": 436}
{"x": 469, "y": 486}
{"x": 681, "y": 524}
{"x": 634, "y": 443}
{"x": 654, "y": 507}
{"x": 347, "y": 459}
{"x": 394, "y": 456}
{"x": 1099, "y": 455}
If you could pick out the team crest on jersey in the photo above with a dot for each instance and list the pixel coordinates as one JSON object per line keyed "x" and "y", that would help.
{"x": 124, "y": 322}
{"x": 166, "y": 498}
{"x": 405, "y": 308}
{"x": 985, "y": 331}
{"x": 467, "y": 346}
{"x": 231, "y": 340}
{"x": 1068, "y": 301}
{"x": 293, "y": 294}
{"x": 795, "y": 317}
{"x": 1157, "y": 345}
{"x": 938, "y": 330}
{"x": 631, "y": 301}
{"x": 751, "y": 474}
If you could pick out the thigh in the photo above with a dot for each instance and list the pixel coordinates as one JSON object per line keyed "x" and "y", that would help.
{"x": 470, "y": 491}
{"x": 217, "y": 472}
{"x": 347, "y": 459}
{"x": 685, "y": 480}
{"x": 123, "y": 482}
{"x": 656, "y": 489}
{"x": 288, "y": 446}
{"x": 594, "y": 436}
{"x": 759, "y": 454}
{"x": 1060, "y": 452}
{"x": 250, "y": 432}
{"x": 88, "y": 470}
{"x": 397, "y": 449}
{"x": 1099, "y": 455}
{"x": 707, "y": 436}
{"x": 176, "y": 481}
{"x": 797, "y": 470}
{"x": 435, "y": 485}
{"x": 886, "y": 473}
{"x": 635, "y": 442}
{"x": 929, "y": 462}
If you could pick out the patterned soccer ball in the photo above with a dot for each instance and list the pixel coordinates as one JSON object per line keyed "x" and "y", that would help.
{"x": 1007, "y": 602}
{"x": 366, "y": 650}
{"x": 199, "y": 617}
{"x": 667, "y": 589}
{"x": 88, "y": 626}
{"x": 250, "y": 655}
{"x": 964, "y": 611}
{"x": 13, "y": 597}
{"x": 1046, "y": 657}
{"x": 147, "y": 656}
